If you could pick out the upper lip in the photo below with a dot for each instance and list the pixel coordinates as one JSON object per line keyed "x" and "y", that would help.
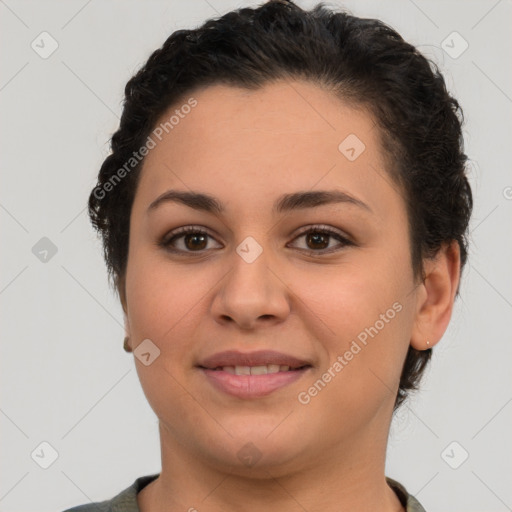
{"x": 258, "y": 358}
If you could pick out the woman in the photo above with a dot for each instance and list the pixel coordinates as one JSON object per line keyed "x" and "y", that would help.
{"x": 284, "y": 216}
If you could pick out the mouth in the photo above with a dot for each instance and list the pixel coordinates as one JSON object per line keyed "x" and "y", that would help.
{"x": 252, "y": 375}
{"x": 261, "y": 362}
{"x": 256, "y": 370}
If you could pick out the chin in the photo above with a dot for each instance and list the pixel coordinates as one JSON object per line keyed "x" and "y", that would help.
{"x": 256, "y": 459}
{"x": 258, "y": 449}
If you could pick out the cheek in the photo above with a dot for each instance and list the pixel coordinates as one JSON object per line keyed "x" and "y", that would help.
{"x": 163, "y": 304}
{"x": 163, "y": 299}
{"x": 353, "y": 296}
{"x": 364, "y": 360}
{"x": 368, "y": 309}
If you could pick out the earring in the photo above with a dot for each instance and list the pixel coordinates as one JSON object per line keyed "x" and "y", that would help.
{"x": 428, "y": 343}
{"x": 126, "y": 344}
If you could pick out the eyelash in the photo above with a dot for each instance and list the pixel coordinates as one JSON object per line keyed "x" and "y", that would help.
{"x": 168, "y": 239}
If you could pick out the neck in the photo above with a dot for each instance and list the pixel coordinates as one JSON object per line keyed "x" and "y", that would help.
{"x": 349, "y": 477}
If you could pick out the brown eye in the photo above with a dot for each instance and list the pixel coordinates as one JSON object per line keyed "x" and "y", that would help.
{"x": 195, "y": 241}
{"x": 186, "y": 240}
{"x": 318, "y": 238}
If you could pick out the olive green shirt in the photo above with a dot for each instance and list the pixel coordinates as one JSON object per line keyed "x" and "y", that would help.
{"x": 126, "y": 501}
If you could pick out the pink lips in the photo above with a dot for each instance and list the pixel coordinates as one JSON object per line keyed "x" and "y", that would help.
{"x": 252, "y": 386}
{"x": 261, "y": 357}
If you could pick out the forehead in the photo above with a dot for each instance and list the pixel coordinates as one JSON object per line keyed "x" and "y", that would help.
{"x": 282, "y": 137}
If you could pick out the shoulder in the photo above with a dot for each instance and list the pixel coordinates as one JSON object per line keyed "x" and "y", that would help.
{"x": 125, "y": 501}
{"x": 410, "y": 503}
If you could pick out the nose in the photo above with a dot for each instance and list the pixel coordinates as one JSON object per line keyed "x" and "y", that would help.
{"x": 251, "y": 294}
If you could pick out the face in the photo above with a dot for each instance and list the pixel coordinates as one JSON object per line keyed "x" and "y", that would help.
{"x": 328, "y": 283}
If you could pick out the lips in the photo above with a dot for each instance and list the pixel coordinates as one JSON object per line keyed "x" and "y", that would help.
{"x": 252, "y": 375}
{"x": 268, "y": 358}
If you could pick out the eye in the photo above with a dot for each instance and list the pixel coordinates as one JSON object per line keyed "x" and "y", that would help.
{"x": 194, "y": 238}
{"x": 318, "y": 237}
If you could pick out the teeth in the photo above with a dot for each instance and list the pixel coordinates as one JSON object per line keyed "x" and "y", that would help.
{"x": 255, "y": 370}
{"x": 242, "y": 370}
{"x": 259, "y": 370}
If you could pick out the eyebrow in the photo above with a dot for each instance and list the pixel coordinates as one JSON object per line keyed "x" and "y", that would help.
{"x": 285, "y": 203}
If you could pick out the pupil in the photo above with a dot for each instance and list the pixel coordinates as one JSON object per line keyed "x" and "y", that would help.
{"x": 193, "y": 236}
{"x": 316, "y": 238}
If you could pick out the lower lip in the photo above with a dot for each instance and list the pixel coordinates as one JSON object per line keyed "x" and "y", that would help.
{"x": 251, "y": 386}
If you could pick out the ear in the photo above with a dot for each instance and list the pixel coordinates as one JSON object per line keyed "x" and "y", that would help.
{"x": 436, "y": 296}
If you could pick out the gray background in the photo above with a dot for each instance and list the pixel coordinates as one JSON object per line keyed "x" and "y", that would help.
{"x": 65, "y": 378}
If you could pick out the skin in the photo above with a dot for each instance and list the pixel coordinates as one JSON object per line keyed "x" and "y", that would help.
{"x": 247, "y": 148}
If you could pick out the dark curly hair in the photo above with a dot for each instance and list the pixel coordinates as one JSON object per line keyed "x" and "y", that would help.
{"x": 362, "y": 61}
